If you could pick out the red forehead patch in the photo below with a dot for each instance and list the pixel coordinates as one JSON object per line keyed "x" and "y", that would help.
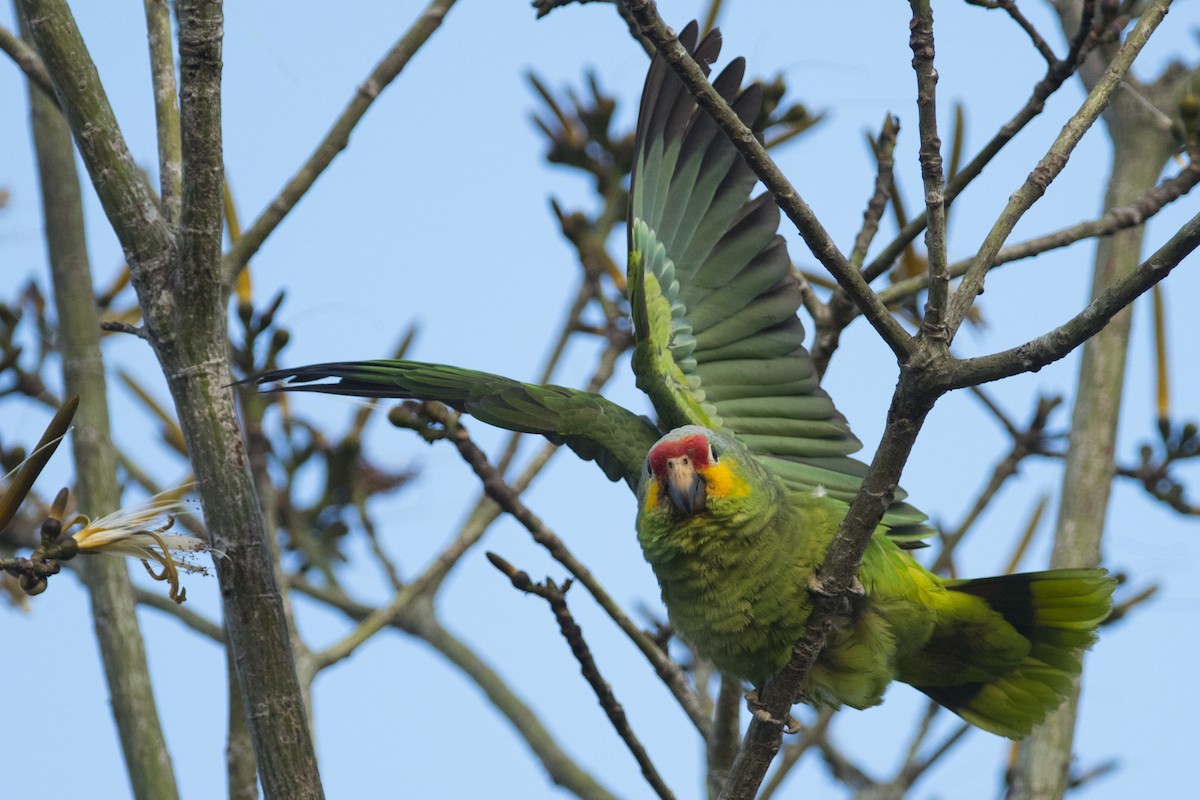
{"x": 696, "y": 447}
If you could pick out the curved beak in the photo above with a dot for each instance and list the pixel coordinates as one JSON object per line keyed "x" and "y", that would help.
{"x": 685, "y": 489}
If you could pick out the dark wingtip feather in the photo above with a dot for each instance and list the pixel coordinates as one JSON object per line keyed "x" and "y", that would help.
{"x": 349, "y": 377}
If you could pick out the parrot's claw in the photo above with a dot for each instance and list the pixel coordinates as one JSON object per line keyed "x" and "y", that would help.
{"x": 817, "y": 586}
{"x": 789, "y": 724}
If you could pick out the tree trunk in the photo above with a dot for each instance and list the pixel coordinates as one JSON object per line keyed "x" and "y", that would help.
{"x": 113, "y": 607}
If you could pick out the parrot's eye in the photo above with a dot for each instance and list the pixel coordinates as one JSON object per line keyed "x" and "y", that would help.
{"x": 714, "y": 453}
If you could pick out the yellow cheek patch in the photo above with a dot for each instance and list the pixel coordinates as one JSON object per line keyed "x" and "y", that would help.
{"x": 723, "y": 482}
{"x": 651, "y": 494}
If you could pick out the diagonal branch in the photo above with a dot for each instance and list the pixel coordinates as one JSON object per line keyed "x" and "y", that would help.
{"x": 1035, "y": 38}
{"x": 1048, "y": 348}
{"x": 1056, "y": 74}
{"x": 911, "y": 403}
{"x": 507, "y": 499}
{"x": 419, "y": 619}
{"x": 131, "y": 208}
{"x": 338, "y": 137}
{"x": 831, "y": 318}
{"x": 1052, "y": 163}
{"x": 814, "y": 234}
{"x": 556, "y": 596}
{"x": 28, "y": 60}
{"x": 1111, "y": 221}
{"x": 883, "y": 147}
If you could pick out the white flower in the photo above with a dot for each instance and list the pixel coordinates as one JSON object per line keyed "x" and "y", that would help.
{"x": 129, "y": 532}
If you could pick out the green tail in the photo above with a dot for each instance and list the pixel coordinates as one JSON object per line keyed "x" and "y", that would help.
{"x": 1056, "y": 613}
{"x": 596, "y": 429}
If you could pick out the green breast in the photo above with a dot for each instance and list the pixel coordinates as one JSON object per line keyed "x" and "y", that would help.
{"x": 733, "y": 582}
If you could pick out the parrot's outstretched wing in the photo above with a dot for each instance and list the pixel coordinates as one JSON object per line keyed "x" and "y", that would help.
{"x": 713, "y": 296}
{"x": 596, "y": 429}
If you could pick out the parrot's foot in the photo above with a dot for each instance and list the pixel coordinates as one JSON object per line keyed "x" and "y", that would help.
{"x": 817, "y": 586}
{"x": 789, "y": 723}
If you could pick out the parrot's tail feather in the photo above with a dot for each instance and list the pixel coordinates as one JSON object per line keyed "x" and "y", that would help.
{"x": 1057, "y": 613}
{"x": 595, "y": 428}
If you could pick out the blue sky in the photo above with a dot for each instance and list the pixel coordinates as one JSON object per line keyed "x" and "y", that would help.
{"x": 440, "y": 217}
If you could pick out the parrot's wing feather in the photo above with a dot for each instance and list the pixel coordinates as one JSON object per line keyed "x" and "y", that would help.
{"x": 713, "y": 296}
{"x": 595, "y": 428}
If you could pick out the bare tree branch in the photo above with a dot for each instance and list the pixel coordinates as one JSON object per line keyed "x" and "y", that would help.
{"x": 1056, "y": 74}
{"x": 823, "y": 248}
{"x": 1048, "y": 348}
{"x": 503, "y": 495}
{"x": 338, "y": 137}
{"x": 556, "y": 596}
{"x": 1052, "y": 163}
{"x": 419, "y": 620}
{"x": 166, "y": 107}
{"x": 922, "y": 45}
{"x": 29, "y": 61}
{"x": 118, "y": 634}
{"x": 1111, "y": 221}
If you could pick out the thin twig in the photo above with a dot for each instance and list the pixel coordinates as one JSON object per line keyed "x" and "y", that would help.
{"x": 816, "y": 309}
{"x": 556, "y": 596}
{"x": 922, "y": 730}
{"x": 843, "y": 769}
{"x": 116, "y": 326}
{"x": 381, "y": 556}
{"x": 1051, "y": 164}
{"x": 883, "y": 147}
{"x": 1031, "y": 526}
{"x": 1035, "y": 38}
{"x": 1048, "y": 348}
{"x": 1089, "y": 775}
{"x": 503, "y": 494}
{"x": 370, "y": 624}
{"x": 338, "y": 137}
{"x": 27, "y": 59}
{"x": 1050, "y": 83}
{"x": 1112, "y": 221}
{"x": 1026, "y": 442}
{"x": 166, "y": 107}
{"x": 1122, "y": 609}
{"x": 192, "y": 619}
{"x": 819, "y": 242}
{"x": 991, "y": 405}
{"x": 419, "y": 620}
{"x": 922, "y": 44}
{"x": 914, "y": 769}
{"x": 835, "y": 315}
{"x": 544, "y": 7}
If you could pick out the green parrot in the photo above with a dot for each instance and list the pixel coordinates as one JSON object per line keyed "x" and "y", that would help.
{"x": 742, "y": 483}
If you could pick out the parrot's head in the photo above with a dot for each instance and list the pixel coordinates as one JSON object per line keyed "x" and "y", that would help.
{"x": 691, "y": 470}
